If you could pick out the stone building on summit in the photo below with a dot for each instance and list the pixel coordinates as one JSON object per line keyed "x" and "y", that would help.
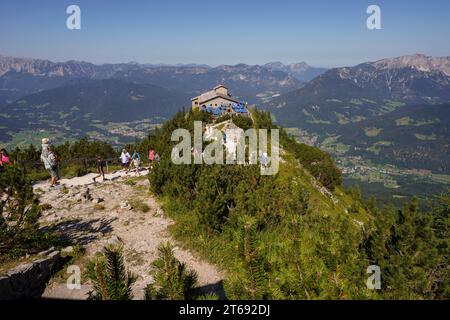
{"x": 219, "y": 102}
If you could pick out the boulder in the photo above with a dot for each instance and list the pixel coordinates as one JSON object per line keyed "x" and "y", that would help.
{"x": 125, "y": 205}
{"x": 67, "y": 250}
{"x": 114, "y": 241}
{"x": 97, "y": 200}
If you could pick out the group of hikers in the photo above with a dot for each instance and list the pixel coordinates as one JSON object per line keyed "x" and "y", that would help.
{"x": 126, "y": 160}
{"x": 51, "y": 162}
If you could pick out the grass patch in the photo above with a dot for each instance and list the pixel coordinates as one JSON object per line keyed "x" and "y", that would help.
{"x": 46, "y": 206}
{"x": 139, "y": 205}
{"x": 425, "y": 137}
{"x": 341, "y": 118}
{"x": 372, "y": 131}
{"x": 356, "y": 102}
{"x": 441, "y": 178}
{"x": 99, "y": 206}
{"x": 318, "y": 121}
{"x": 408, "y": 121}
{"x": 134, "y": 180}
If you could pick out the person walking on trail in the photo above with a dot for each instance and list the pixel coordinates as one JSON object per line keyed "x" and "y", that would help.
{"x": 157, "y": 157}
{"x": 48, "y": 157}
{"x": 125, "y": 160}
{"x": 137, "y": 162}
{"x": 151, "y": 157}
{"x": 100, "y": 169}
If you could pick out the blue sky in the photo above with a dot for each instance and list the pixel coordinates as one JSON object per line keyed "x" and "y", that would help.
{"x": 322, "y": 33}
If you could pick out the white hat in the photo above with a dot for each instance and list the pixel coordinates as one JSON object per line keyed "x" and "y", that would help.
{"x": 45, "y": 141}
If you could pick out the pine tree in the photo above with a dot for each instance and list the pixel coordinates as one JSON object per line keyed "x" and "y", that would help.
{"x": 256, "y": 280}
{"x": 173, "y": 281}
{"x": 404, "y": 245}
{"x": 19, "y": 214}
{"x": 110, "y": 279}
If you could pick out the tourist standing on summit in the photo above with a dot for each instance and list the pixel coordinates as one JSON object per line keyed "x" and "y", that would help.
{"x": 137, "y": 162}
{"x": 48, "y": 157}
{"x": 125, "y": 159}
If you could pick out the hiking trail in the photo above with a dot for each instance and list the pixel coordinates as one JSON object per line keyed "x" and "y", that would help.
{"x": 94, "y": 214}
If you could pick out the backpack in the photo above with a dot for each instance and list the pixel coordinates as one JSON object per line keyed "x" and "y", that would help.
{"x": 51, "y": 160}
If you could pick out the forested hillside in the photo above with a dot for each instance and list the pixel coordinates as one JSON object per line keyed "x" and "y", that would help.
{"x": 295, "y": 235}
{"x": 288, "y": 237}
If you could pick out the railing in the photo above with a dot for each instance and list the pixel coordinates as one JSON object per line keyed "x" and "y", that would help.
{"x": 84, "y": 163}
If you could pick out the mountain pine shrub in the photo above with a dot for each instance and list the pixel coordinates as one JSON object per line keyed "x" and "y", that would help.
{"x": 173, "y": 281}
{"x": 19, "y": 214}
{"x": 110, "y": 279}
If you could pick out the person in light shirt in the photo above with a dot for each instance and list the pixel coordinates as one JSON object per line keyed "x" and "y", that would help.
{"x": 125, "y": 160}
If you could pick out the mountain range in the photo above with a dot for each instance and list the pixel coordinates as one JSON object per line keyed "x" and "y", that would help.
{"x": 366, "y": 89}
{"x": 377, "y": 109}
{"x": 21, "y": 76}
{"x": 68, "y": 96}
{"x": 301, "y": 71}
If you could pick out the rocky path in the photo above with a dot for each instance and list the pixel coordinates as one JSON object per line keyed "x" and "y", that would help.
{"x": 119, "y": 209}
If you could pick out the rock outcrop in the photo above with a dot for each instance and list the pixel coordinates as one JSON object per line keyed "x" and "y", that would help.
{"x": 28, "y": 280}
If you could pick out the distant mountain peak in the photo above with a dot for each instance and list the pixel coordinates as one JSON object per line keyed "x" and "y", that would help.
{"x": 300, "y": 70}
{"x": 418, "y": 61}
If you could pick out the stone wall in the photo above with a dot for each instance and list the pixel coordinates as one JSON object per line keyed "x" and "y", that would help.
{"x": 28, "y": 281}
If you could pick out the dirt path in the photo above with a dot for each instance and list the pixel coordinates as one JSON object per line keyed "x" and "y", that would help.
{"x": 93, "y": 214}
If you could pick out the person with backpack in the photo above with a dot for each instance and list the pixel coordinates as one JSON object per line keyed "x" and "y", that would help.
{"x": 50, "y": 160}
{"x": 136, "y": 161}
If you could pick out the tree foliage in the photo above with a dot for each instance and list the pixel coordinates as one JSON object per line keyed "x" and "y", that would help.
{"x": 110, "y": 279}
{"x": 19, "y": 214}
{"x": 173, "y": 281}
{"x": 276, "y": 241}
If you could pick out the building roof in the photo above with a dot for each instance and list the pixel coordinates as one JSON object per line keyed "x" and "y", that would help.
{"x": 212, "y": 94}
{"x": 220, "y": 86}
{"x": 219, "y": 95}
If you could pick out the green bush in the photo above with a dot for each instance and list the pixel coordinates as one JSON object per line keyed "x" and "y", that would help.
{"x": 19, "y": 214}
{"x": 139, "y": 205}
{"x": 225, "y": 117}
{"x": 297, "y": 246}
{"x": 243, "y": 122}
